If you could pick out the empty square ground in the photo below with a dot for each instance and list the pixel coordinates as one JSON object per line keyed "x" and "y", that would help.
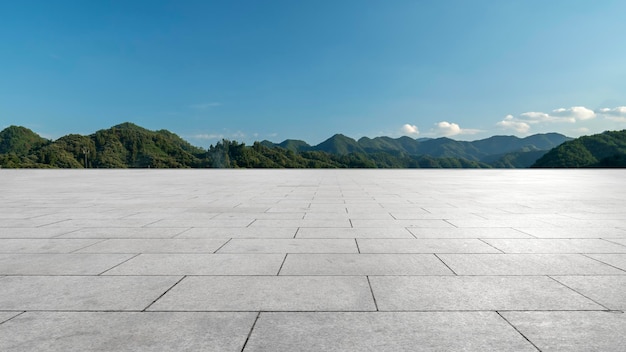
{"x": 312, "y": 260}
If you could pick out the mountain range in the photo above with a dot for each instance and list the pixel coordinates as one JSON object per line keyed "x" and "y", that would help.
{"x": 130, "y": 146}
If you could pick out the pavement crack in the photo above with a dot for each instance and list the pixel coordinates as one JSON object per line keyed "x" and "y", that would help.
{"x": 372, "y": 292}
{"x": 444, "y": 263}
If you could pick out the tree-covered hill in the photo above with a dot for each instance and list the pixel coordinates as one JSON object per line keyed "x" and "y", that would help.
{"x": 606, "y": 149}
{"x": 131, "y": 146}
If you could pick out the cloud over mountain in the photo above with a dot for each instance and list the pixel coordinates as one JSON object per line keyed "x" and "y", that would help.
{"x": 410, "y": 129}
{"x": 448, "y": 129}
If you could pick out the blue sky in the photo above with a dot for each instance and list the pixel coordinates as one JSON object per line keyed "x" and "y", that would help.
{"x": 254, "y": 70}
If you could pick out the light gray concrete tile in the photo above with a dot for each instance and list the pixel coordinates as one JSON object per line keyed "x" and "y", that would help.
{"x": 573, "y": 232}
{"x": 95, "y": 293}
{"x": 382, "y": 331}
{"x": 424, "y": 293}
{"x": 200, "y": 264}
{"x": 208, "y": 223}
{"x": 273, "y": 293}
{"x": 428, "y": 245}
{"x": 115, "y": 331}
{"x": 344, "y": 223}
{"x": 290, "y": 246}
{"x": 571, "y": 331}
{"x": 606, "y": 290}
{"x": 26, "y": 223}
{"x": 588, "y": 223}
{"x": 24, "y": 245}
{"x": 165, "y": 245}
{"x": 616, "y": 260}
{"x": 102, "y": 223}
{"x": 426, "y": 216}
{"x": 59, "y": 264}
{"x": 499, "y": 223}
{"x": 280, "y": 216}
{"x": 33, "y": 232}
{"x": 526, "y": 264}
{"x": 468, "y": 232}
{"x": 248, "y": 232}
{"x": 544, "y": 245}
{"x": 361, "y": 223}
{"x": 353, "y": 233}
{"x": 363, "y": 264}
{"x": 128, "y": 232}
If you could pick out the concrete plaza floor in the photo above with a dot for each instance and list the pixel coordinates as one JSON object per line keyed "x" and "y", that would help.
{"x": 312, "y": 260}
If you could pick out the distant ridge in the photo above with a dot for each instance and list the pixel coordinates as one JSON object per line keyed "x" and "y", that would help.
{"x": 130, "y": 146}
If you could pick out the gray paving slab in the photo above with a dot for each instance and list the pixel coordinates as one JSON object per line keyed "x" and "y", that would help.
{"x": 364, "y": 223}
{"x": 526, "y": 264}
{"x": 115, "y": 331}
{"x": 529, "y": 223}
{"x": 290, "y": 246}
{"x": 164, "y": 245}
{"x": 100, "y": 223}
{"x": 200, "y": 264}
{"x": 610, "y": 291}
{"x": 577, "y": 245}
{"x": 95, "y": 293}
{"x": 353, "y": 233}
{"x": 124, "y": 232}
{"x": 571, "y": 331}
{"x": 616, "y": 260}
{"x": 247, "y": 232}
{"x": 363, "y": 264}
{"x": 385, "y": 331}
{"x": 440, "y": 293}
{"x": 33, "y": 232}
{"x": 468, "y": 232}
{"x": 24, "y": 245}
{"x": 208, "y": 223}
{"x": 59, "y": 264}
{"x": 277, "y": 223}
{"x": 268, "y": 293}
{"x": 429, "y": 245}
{"x": 574, "y": 232}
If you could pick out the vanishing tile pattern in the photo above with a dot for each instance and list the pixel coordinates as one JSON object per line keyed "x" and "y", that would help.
{"x": 312, "y": 260}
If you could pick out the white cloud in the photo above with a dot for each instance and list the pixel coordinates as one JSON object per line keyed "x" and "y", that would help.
{"x": 510, "y": 122}
{"x": 617, "y": 114}
{"x": 203, "y": 106}
{"x": 410, "y": 129}
{"x": 524, "y": 121}
{"x": 576, "y": 113}
{"x": 446, "y": 128}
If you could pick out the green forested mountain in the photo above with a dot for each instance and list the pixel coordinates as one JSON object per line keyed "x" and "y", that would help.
{"x": 130, "y": 146}
{"x": 606, "y": 149}
{"x": 121, "y": 146}
{"x": 486, "y": 150}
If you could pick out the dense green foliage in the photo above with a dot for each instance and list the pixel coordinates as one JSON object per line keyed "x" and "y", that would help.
{"x": 606, "y": 149}
{"x": 130, "y": 146}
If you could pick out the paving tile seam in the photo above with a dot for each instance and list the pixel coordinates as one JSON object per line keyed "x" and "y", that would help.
{"x": 447, "y": 266}
{"x": 250, "y": 332}
{"x": 372, "y": 292}
{"x": 164, "y": 293}
{"x": 518, "y": 331}
{"x": 281, "y": 265}
{"x": 222, "y": 246}
{"x": 118, "y": 264}
{"x": 90, "y": 245}
{"x": 13, "y": 317}
{"x": 580, "y": 293}
{"x": 598, "y": 260}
